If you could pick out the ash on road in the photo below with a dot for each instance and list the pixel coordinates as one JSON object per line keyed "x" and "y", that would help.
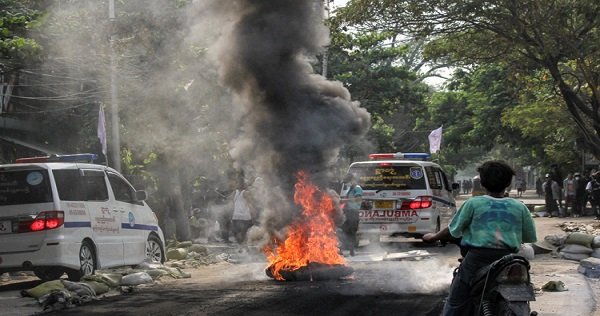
{"x": 375, "y": 288}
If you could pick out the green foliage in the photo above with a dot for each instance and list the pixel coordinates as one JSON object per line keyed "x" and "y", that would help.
{"x": 16, "y": 19}
{"x": 372, "y": 65}
{"x": 559, "y": 37}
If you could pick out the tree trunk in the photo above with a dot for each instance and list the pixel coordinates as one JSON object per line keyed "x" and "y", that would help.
{"x": 180, "y": 213}
{"x": 582, "y": 112}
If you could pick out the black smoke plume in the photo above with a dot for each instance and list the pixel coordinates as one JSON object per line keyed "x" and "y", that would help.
{"x": 291, "y": 119}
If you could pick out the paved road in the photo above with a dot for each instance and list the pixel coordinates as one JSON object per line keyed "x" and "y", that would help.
{"x": 377, "y": 288}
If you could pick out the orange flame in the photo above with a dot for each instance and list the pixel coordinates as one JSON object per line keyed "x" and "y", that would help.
{"x": 311, "y": 238}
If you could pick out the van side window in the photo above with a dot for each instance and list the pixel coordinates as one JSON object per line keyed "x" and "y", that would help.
{"x": 445, "y": 180}
{"x": 434, "y": 178}
{"x": 72, "y": 186}
{"x": 122, "y": 190}
{"x": 69, "y": 185}
{"x": 95, "y": 185}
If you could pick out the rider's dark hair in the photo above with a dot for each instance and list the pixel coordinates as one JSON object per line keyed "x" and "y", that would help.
{"x": 496, "y": 175}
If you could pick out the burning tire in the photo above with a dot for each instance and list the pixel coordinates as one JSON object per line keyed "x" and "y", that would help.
{"x": 314, "y": 271}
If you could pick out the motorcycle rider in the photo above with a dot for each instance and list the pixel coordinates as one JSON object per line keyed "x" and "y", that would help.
{"x": 490, "y": 226}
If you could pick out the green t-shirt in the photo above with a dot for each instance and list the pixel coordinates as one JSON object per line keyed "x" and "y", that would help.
{"x": 488, "y": 222}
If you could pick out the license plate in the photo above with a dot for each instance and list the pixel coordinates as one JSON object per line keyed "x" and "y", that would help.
{"x": 5, "y": 227}
{"x": 519, "y": 292}
{"x": 384, "y": 204}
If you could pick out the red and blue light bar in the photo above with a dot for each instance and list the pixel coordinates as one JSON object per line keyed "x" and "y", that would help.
{"x": 88, "y": 158}
{"x": 407, "y": 156}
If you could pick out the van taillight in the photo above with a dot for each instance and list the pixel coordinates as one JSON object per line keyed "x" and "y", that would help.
{"x": 417, "y": 203}
{"x": 47, "y": 220}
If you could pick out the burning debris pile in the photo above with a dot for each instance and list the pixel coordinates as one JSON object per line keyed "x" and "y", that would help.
{"x": 292, "y": 124}
{"x": 310, "y": 250}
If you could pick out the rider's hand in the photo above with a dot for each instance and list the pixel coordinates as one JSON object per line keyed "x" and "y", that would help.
{"x": 429, "y": 237}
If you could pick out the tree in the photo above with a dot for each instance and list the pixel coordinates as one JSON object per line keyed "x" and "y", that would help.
{"x": 381, "y": 72}
{"x": 175, "y": 119}
{"x": 17, "y": 17}
{"x": 485, "y": 107}
{"x": 559, "y": 36}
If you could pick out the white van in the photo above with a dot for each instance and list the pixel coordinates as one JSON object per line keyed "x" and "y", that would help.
{"x": 58, "y": 215}
{"x": 403, "y": 194}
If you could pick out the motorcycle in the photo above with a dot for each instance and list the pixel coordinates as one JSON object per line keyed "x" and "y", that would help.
{"x": 502, "y": 288}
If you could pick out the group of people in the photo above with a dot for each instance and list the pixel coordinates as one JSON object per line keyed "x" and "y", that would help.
{"x": 575, "y": 190}
{"x": 466, "y": 186}
{"x": 239, "y": 210}
{"x": 520, "y": 186}
{"x": 235, "y": 212}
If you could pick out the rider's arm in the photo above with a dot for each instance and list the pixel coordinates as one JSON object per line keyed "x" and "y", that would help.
{"x": 442, "y": 234}
{"x": 529, "y": 234}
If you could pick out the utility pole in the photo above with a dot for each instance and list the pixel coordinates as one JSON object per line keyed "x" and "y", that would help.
{"x": 326, "y": 9}
{"x": 116, "y": 142}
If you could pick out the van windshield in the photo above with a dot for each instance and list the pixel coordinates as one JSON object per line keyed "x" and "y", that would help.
{"x": 379, "y": 177}
{"x": 24, "y": 187}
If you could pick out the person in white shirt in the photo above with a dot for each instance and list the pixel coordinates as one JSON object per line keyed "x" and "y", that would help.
{"x": 242, "y": 214}
{"x": 569, "y": 189}
{"x": 593, "y": 188}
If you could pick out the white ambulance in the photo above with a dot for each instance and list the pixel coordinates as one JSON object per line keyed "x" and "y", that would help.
{"x": 404, "y": 194}
{"x": 59, "y": 215}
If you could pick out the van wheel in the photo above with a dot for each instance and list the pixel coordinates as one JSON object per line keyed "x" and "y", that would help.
{"x": 48, "y": 274}
{"x": 87, "y": 262}
{"x": 154, "y": 250}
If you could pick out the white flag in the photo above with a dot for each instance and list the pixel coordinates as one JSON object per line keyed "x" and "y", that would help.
{"x": 435, "y": 140}
{"x": 102, "y": 129}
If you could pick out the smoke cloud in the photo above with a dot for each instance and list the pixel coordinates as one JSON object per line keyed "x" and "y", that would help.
{"x": 291, "y": 119}
{"x": 170, "y": 59}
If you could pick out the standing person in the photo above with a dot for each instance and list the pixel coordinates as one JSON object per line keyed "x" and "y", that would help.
{"x": 593, "y": 188}
{"x": 353, "y": 199}
{"x": 242, "y": 214}
{"x": 569, "y": 190}
{"x": 538, "y": 187}
{"x": 470, "y": 186}
{"x": 490, "y": 226}
{"x": 551, "y": 192}
{"x": 223, "y": 210}
{"x": 556, "y": 175}
{"x": 521, "y": 187}
{"x": 580, "y": 195}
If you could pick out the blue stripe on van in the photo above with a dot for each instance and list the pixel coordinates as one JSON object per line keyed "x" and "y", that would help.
{"x": 77, "y": 224}
{"x": 443, "y": 201}
{"x": 139, "y": 226}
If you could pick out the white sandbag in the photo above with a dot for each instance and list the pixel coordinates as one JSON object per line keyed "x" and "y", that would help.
{"x": 136, "y": 279}
{"x": 574, "y": 256}
{"x": 527, "y": 252}
{"x": 576, "y": 249}
{"x": 596, "y": 242}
